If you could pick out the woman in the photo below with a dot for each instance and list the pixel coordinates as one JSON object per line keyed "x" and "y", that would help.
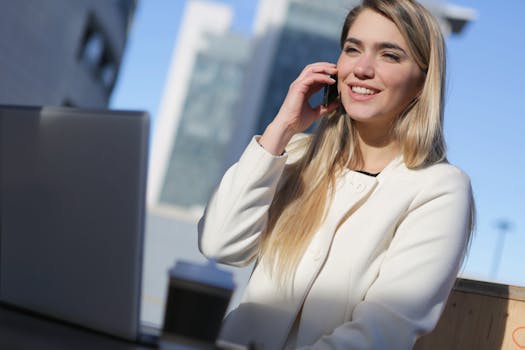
{"x": 358, "y": 232}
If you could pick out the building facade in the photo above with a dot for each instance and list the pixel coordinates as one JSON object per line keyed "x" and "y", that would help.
{"x": 62, "y": 52}
{"x": 198, "y": 110}
{"x": 208, "y": 115}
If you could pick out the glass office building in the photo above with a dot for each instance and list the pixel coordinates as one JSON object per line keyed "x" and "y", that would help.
{"x": 205, "y": 128}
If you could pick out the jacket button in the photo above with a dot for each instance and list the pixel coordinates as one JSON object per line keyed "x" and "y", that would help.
{"x": 359, "y": 187}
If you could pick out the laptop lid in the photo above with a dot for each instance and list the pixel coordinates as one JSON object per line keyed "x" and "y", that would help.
{"x": 72, "y": 197}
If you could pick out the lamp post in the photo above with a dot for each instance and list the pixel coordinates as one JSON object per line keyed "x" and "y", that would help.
{"x": 503, "y": 226}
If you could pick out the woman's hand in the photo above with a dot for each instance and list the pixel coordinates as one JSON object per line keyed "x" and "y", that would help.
{"x": 296, "y": 114}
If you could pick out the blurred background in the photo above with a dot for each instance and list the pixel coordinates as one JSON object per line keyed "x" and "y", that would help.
{"x": 213, "y": 73}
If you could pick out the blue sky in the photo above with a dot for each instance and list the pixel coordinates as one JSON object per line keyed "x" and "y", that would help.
{"x": 485, "y": 118}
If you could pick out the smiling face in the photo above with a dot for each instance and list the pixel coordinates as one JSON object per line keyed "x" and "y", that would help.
{"x": 377, "y": 75}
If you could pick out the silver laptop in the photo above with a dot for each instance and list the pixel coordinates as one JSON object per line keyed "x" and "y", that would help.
{"x": 72, "y": 203}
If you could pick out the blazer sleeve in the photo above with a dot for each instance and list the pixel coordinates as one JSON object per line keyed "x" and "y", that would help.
{"x": 236, "y": 214}
{"x": 417, "y": 273}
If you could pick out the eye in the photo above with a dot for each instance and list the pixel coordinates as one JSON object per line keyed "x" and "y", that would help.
{"x": 392, "y": 56}
{"x": 350, "y": 49}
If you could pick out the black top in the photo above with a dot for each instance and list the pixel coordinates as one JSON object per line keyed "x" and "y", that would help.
{"x": 367, "y": 173}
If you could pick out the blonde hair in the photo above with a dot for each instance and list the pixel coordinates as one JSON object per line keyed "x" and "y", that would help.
{"x": 300, "y": 205}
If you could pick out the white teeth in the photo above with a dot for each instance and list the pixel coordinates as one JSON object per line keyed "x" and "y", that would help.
{"x": 362, "y": 90}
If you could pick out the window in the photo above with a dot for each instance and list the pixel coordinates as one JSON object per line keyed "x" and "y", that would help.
{"x": 95, "y": 52}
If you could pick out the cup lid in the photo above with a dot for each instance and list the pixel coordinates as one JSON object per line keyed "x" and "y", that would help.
{"x": 208, "y": 274}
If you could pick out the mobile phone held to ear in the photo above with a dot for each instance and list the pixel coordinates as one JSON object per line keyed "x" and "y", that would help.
{"x": 330, "y": 91}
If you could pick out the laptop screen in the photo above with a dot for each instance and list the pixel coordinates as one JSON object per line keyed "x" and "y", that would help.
{"x": 72, "y": 202}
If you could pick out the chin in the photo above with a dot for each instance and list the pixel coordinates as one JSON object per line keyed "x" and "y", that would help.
{"x": 361, "y": 119}
{"x": 369, "y": 118}
{"x": 360, "y": 115}
{"x": 359, "y": 110}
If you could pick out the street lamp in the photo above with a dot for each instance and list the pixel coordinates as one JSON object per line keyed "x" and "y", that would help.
{"x": 503, "y": 226}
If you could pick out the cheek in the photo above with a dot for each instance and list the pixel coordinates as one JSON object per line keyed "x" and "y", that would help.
{"x": 339, "y": 60}
{"x": 343, "y": 67}
{"x": 408, "y": 86}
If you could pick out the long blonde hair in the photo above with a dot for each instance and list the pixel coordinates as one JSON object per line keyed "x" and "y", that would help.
{"x": 300, "y": 205}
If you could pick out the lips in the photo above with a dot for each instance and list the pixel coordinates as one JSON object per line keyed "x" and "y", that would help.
{"x": 362, "y": 89}
{"x": 362, "y": 92}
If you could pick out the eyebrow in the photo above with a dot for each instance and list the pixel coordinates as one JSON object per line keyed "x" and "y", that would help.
{"x": 381, "y": 45}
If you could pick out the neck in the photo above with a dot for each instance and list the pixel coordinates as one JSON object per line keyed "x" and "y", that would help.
{"x": 377, "y": 145}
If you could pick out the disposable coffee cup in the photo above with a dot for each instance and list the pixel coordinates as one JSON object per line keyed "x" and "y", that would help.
{"x": 198, "y": 296}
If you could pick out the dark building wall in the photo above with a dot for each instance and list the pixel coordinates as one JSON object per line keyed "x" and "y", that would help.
{"x": 57, "y": 52}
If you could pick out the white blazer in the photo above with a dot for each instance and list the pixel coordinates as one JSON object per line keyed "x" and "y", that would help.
{"x": 378, "y": 281}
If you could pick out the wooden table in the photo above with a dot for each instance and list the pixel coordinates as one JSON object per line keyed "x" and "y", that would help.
{"x": 480, "y": 316}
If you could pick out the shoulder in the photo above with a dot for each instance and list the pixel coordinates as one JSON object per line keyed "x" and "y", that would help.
{"x": 446, "y": 173}
{"x": 430, "y": 175}
{"x": 438, "y": 180}
{"x": 427, "y": 182}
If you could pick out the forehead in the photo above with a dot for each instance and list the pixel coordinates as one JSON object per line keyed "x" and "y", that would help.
{"x": 371, "y": 27}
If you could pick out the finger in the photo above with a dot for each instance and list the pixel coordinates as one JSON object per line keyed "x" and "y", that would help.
{"x": 316, "y": 82}
{"x": 325, "y": 110}
{"x": 316, "y": 79}
{"x": 320, "y": 67}
{"x": 310, "y": 84}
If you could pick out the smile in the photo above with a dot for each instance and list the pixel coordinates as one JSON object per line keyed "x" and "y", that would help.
{"x": 362, "y": 93}
{"x": 361, "y": 90}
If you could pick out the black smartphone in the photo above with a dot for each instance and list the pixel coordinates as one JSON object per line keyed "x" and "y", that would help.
{"x": 330, "y": 91}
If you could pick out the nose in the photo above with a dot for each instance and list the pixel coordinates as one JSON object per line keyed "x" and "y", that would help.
{"x": 364, "y": 68}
